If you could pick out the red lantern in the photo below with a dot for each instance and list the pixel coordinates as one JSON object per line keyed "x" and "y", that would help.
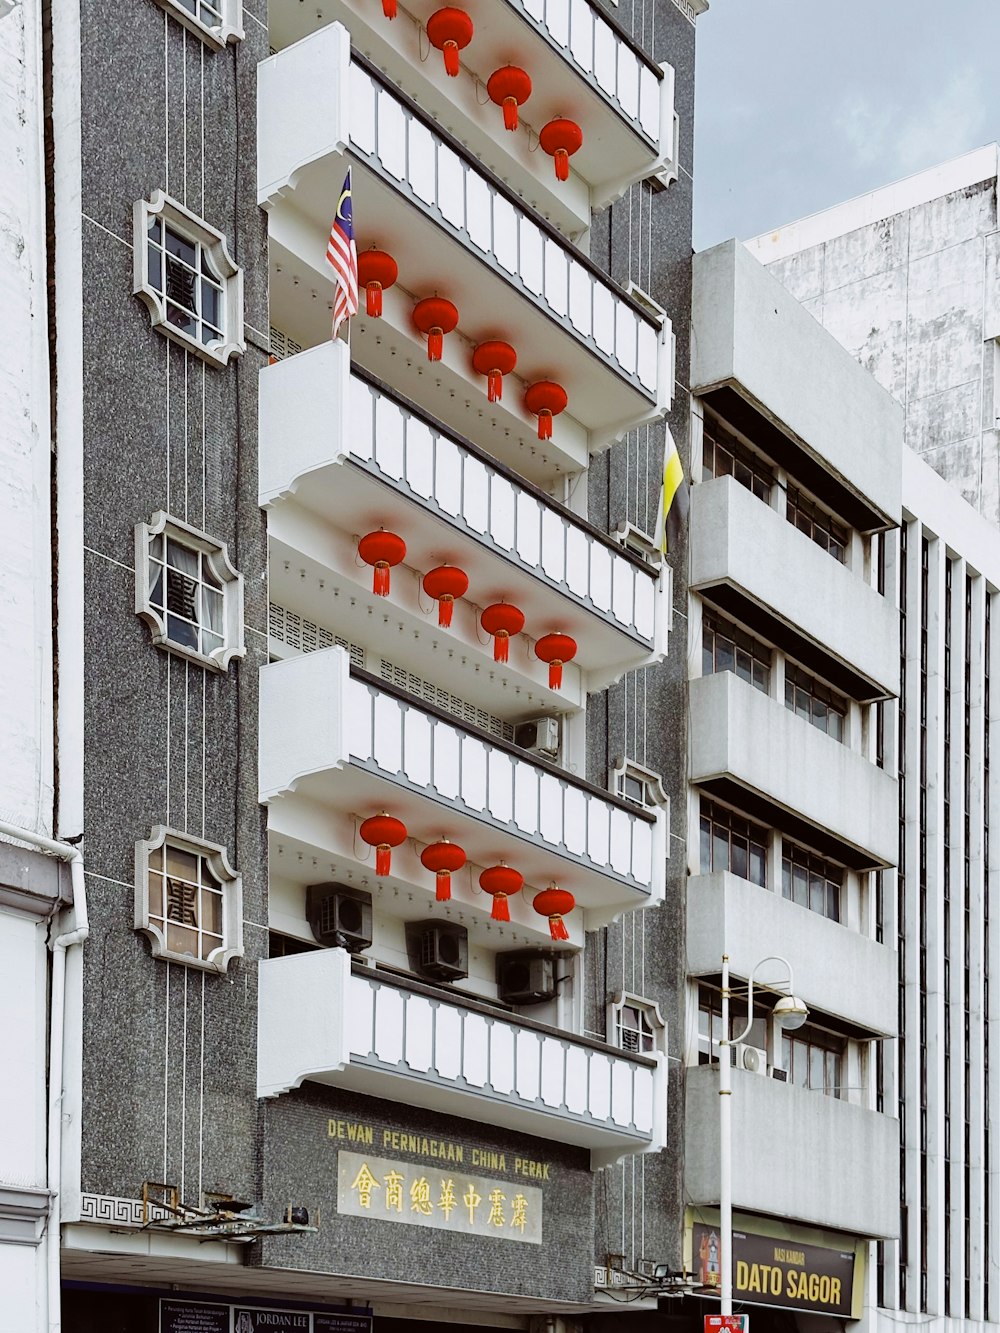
{"x": 389, "y": 8}
{"x": 494, "y": 360}
{"x": 383, "y": 833}
{"x": 434, "y": 316}
{"x": 444, "y": 858}
{"x": 546, "y": 400}
{"x": 376, "y": 271}
{"x": 510, "y": 88}
{"x": 561, "y": 139}
{"x": 450, "y": 30}
{"x": 555, "y": 649}
{"x": 555, "y": 903}
{"x": 444, "y": 584}
{"x": 501, "y": 881}
{"x": 502, "y": 620}
{"x": 383, "y": 550}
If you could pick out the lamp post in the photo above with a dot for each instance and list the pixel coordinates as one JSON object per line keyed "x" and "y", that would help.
{"x": 791, "y": 1013}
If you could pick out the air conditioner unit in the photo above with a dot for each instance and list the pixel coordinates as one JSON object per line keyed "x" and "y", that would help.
{"x": 539, "y": 735}
{"x": 439, "y": 950}
{"x": 751, "y": 1058}
{"x": 340, "y": 917}
{"x": 526, "y": 976}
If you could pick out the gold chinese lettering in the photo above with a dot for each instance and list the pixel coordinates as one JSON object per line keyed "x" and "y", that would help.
{"x": 497, "y": 1201}
{"x": 393, "y": 1191}
{"x": 520, "y": 1214}
{"x": 472, "y": 1200}
{"x": 364, "y": 1183}
{"x": 447, "y": 1201}
{"x": 420, "y": 1197}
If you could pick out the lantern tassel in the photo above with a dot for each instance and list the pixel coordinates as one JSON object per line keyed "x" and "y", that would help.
{"x": 501, "y": 646}
{"x": 443, "y": 893}
{"x": 435, "y": 345}
{"x": 389, "y": 8}
{"x": 555, "y": 675}
{"x": 373, "y": 304}
{"x": 383, "y": 858}
{"x": 501, "y": 912}
{"x": 562, "y": 164}
{"x": 444, "y": 611}
{"x": 494, "y": 383}
{"x": 510, "y": 113}
{"x": 557, "y": 928}
{"x": 380, "y": 582}
{"x": 451, "y": 59}
{"x": 545, "y": 424}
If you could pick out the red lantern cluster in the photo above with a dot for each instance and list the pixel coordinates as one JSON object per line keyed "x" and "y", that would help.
{"x": 377, "y": 271}
{"x": 383, "y": 832}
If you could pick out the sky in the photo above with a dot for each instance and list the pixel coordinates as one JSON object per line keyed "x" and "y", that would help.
{"x": 801, "y": 104}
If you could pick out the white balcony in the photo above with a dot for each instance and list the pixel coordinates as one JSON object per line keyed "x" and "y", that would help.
{"x": 339, "y": 453}
{"x": 453, "y": 229}
{"x": 753, "y": 751}
{"x": 798, "y": 1154}
{"x": 742, "y": 550}
{"x": 838, "y": 971}
{"x": 336, "y": 747}
{"x": 582, "y": 65}
{"x": 408, "y": 1043}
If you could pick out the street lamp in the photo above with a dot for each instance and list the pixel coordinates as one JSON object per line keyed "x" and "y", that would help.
{"x": 789, "y": 1012}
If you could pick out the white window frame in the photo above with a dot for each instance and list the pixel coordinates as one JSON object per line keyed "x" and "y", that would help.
{"x": 232, "y": 898}
{"x": 229, "y": 577}
{"x": 625, "y": 999}
{"x": 170, "y": 213}
{"x": 623, "y": 768}
{"x": 215, "y": 35}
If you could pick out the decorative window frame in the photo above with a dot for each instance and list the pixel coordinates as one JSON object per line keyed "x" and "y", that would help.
{"x": 622, "y": 1000}
{"x": 624, "y": 768}
{"x": 231, "y": 579}
{"x": 232, "y": 898}
{"x": 217, "y": 36}
{"x": 196, "y": 231}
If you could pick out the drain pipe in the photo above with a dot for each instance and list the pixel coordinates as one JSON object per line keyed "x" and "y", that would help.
{"x": 74, "y": 857}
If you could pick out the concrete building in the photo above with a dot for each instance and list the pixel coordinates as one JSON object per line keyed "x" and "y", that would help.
{"x": 794, "y": 660}
{"x": 905, "y": 278}
{"x": 300, "y": 1087}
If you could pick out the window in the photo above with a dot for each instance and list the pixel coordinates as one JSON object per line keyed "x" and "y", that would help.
{"x": 726, "y": 647}
{"x": 188, "y": 900}
{"x": 640, "y": 785}
{"x": 810, "y": 881}
{"x": 730, "y": 842}
{"x": 710, "y": 1023}
{"x": 724, "y": 456}
{"x": 634, "y": 1024}
{"x": 187, "y": 591}
{"x": 216, "y": 22}
{"x": 813, "y": 1059}
{"x": 818, "y": 526}
{"x": 184, "y": 275}
{"x": 809, "y": 698}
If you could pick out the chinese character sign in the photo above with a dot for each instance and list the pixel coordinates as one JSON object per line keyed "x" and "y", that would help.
{"x": 443, "y": 1198}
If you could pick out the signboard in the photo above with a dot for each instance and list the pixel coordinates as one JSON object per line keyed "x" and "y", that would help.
{"x": 727, "y": 1323}
{"x": 768, "y": 1270}
{"x": 442, "y": 1197}
{"x": 194, "y": 1317}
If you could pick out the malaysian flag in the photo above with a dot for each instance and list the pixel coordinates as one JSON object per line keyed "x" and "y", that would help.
{"x": 342, "y": 256}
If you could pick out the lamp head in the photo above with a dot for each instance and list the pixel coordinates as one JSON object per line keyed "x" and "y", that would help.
{"x": 791, "y": 1012}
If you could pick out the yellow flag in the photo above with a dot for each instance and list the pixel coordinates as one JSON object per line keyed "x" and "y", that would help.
{"x": 674, "y": 498}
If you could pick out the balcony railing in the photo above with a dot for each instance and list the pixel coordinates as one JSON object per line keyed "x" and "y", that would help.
{"x": 318, "y": 1019}
{"x": 447, "y": 183}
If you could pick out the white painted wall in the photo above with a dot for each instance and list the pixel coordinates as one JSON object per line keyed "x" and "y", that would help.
{"x": 25, "y": 598}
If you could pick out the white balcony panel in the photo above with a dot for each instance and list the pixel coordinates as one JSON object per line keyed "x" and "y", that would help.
{"x": 342, "y": 449}
{"x": 798, "y": 1154}
{"x": 747, "y": 331}
{"x": 837, "y": 971}
{"x": 740, "y": 734}
{"x": 545, "y": 1082}
{"x": 581, "y": 66}
{"x": 738, "y": 541}
{"x": 335, "y": 748}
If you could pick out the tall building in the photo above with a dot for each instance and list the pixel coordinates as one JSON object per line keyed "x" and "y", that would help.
{"x": 322, "y": 1055}
{"x": 793, "y": 651}
{"x": 905, "y": 278}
